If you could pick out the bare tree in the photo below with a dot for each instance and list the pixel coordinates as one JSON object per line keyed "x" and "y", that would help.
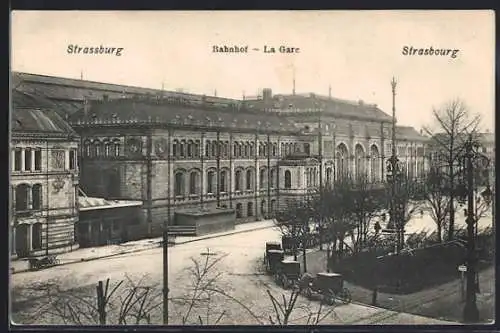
{"x": 286, "y": 307}
{"x": 338, "y": 214}
{"x": 405, "y": 206}
{"x": 453, "y": 123}
{"x": 437, "y": 199}
{"x": 293, "y": 222}
{"x": 367, "y": 203}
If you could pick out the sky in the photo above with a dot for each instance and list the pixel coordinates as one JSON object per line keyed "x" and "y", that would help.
{"x": 356, "y": 53}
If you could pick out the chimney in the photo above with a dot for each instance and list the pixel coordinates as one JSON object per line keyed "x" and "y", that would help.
{"x": 267, "y": 94}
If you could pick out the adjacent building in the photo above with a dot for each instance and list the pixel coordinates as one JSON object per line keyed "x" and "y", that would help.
{"x": 44, "y": 178}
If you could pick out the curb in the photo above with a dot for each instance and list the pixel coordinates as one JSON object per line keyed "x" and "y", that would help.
{"x": 215, "y": 236}
{"x": 145, "y": 249}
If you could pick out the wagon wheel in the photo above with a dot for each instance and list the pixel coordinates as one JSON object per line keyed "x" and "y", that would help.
{"x": 329, "y": 297}
{"x": 345, "y": 295}
{"x": 308, "y": 291}
{"x": 277, "y": 279}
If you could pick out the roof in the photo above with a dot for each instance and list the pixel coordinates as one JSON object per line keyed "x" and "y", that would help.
{"x": 74, "y": 90}
{"x": 127, "y": 111}
{"x": 35, "y": 115}
{"x": 408, "y": 133}
{"x": 333, "y": 106}
{"x": 93, "y": 203}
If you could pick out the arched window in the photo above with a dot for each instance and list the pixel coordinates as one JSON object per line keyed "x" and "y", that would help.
{"x": 250, "y": 209}
{"x": 272, "y": 175}
{"x": 329, "y": 175}
{"x": 237, "y": 180}
{"x": 342, "y": 161}
{"x": 87, "y": 149}
{"x": 22, "y": 194}
{"x": 261, "y": 150}
{"x": 283, "y": 149}
{"x": 207, "y": 149}
{"x": 175, "y": 148}
{"x": 117, "y": 148}
{"x": 247, "y": 148}
{"x": 262, "y": 178}
{"x": 190, "y": 148}
{"x": 223, "y": 181}
{"x": 36, "y": 194}
{"x": 307, "y": 148}
{"x": 107, "y": 149}
{"x": 275, "y": 149}
{"x": 359, "y": 160}
{"x": 193, "y": 182}
{"x": 179, "y": 183}
{"x": 375, "y": 164}
{"x": 235, "y": 149}
{"x": 225, "y": 149}
{"x": 252, "y": 153}
{"x": 240, "y": 149}
{"x": 249, "y": 180}
{"x": 288, "y": 179}
{"x": 196, "y": 148}
{"x": 263, "y": 207}
{"x": 210, "y": 181}
{"x": 239, "y": 210}
{"x": 182, "y": 149}
{"x": 213, "y": 151}
{"x": 36, "y": 236}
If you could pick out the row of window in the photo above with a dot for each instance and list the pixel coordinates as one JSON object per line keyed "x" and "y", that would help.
{"x": 243, "y": 180}
{"x": 28, "y": 197}
{"x": 406, "y": 151}
{"x": 100, "y": 149}
{"x": 30, "y": 159}
{"x": 250, "y": 208}
{"x": 191, "y": 149}
{"x": 25, "y": 231}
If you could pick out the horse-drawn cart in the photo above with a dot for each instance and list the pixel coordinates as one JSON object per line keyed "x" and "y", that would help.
{"x": 330, "y": 286}
{"x": 273, "y": 262}
{"x": 271, "y": 246}
{"x": 287, "y": 273}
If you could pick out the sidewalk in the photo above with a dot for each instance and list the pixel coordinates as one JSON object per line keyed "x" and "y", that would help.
{"x": 94, "y": 253}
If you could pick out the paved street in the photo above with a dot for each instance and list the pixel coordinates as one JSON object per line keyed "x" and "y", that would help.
{"x": 242, "y": 278}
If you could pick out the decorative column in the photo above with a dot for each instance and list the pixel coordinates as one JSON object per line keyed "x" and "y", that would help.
{"x": 13, "y": 159}
{"x": 32, "y": 159}
{"x": 23, "y": 159}
{"x": 30, "y": 236}
{"x": 66, "y": 160}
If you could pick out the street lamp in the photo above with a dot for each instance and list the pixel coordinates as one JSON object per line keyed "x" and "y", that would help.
{"x": 393, "y": 177}
{"x": 471, "y": 312}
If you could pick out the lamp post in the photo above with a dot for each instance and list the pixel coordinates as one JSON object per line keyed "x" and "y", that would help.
{"x": 471, "y": 312}
{"x": 393, "y": 175}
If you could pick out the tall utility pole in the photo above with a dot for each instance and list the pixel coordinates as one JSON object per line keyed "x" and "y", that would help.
{"x": 393, "y": 222}
{"x": 320, "y": 152}
{"x": 471, "y": 312}
{"x": 165, "y": 231}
